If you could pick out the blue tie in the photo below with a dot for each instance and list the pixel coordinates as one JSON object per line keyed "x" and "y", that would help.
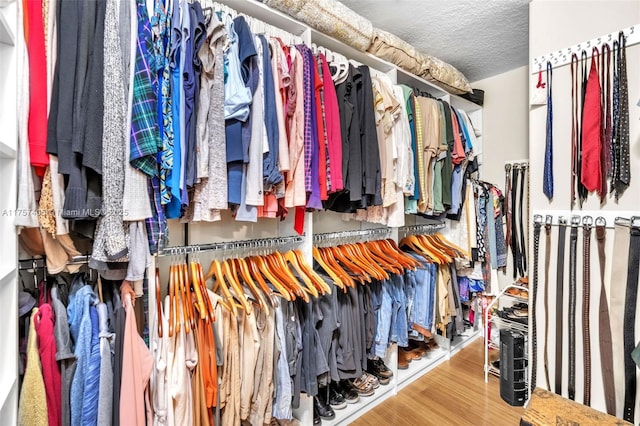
{"x": 547, "y": 185}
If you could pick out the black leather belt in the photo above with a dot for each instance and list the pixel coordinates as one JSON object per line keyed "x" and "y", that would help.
{"x": 515, "y": 251}
{"x": 537, "y": 222}
{"x": 587, "y": 221}
{"x": 523, "y": 244}
{"x": 547, "y": 261}
{"x": 562, "y": 232}
{"x": 573, "y": 245}
{"x": 631, "y": 296}
{"x": 604, "y": 325}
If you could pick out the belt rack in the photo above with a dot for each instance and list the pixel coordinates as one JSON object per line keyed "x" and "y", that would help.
{"x": 607, "y": 219}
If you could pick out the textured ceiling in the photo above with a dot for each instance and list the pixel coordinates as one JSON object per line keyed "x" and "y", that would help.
{"x": 481, "y": 38}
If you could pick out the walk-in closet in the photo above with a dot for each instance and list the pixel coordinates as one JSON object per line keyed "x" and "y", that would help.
{"x": 304, "y": 212}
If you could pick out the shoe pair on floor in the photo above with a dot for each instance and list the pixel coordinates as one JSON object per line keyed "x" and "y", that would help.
{"x": 333, "y": 397}
{"x": 338, "y": 394}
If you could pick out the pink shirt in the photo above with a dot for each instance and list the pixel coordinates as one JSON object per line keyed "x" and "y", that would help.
{"x": 332, "y": 123}
{"x": 295, "y": 193}
{"x": 137, "y": 363}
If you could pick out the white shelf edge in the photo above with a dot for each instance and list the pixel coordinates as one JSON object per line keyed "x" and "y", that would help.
{"x": 6, "y": 34}
{"x": 366, "y": 403}
{"x": 405, "y": 77}
{"x": 419, "y": 367}
{"x": 335, "y": 45}
{"x": 465, "y": 340}
{"x": 6, "y": 386}
{"x": 6, "y": 271}
{"x": 6, "y": 151}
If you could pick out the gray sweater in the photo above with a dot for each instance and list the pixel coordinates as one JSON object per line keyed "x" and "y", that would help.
{"x": 111, "y": 238}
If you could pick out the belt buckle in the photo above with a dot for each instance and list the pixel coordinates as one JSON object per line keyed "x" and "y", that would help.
{"x": 575, "y": 220}
{"x": 562, "y": 220}
{"x": 537, "y": 218}
{"x": 601, "y": 221}
{"x": 635, "y": 221}
{"x": 548, "y": 220}
{"x": 587, "y": 221}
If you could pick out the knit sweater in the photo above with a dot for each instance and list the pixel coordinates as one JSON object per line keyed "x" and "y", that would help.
{"x": 111, "y": 238}
{"x": 33, "y": 403}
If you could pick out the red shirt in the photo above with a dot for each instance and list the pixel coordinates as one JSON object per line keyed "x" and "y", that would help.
{"x": 44, "y": 323}
{"x": 37, "y": 124}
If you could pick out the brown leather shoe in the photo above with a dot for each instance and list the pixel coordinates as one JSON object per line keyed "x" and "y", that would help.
{"x": 403, "y": 360}
{"x": 418, "y": 347}
{"x": 409, "y": 353}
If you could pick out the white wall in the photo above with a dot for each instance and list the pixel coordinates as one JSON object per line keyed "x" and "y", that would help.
{"x": 505, "y": 122}
{"x": 505, "y": 132}
{"x": 555, "y": 25}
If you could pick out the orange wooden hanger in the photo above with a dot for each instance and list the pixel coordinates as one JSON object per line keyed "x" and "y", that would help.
{"x": 159, "y": 304}
{"x": 318, "y": 258}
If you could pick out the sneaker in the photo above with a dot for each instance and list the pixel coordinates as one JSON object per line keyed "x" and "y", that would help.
{"x": 346, "y": 389}
{"x": 336, "y": 400}
{"x": 378, "y": 369}
{"x": 321, "y": 409}
{"x": 370, "y": 378}
{"x": 363, "y": 385}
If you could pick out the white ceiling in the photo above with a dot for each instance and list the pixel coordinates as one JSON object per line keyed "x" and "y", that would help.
{"x": 481, "y": 38}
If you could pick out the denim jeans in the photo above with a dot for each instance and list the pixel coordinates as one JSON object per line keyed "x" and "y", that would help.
{"x": 382, "y": 306}
{"x": 399, "y": 323}
{"x": 423, "y": 299}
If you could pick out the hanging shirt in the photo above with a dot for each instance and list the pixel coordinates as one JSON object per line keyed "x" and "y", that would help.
{"x": 137, "y": 363}
{"x": 332, "y": 125}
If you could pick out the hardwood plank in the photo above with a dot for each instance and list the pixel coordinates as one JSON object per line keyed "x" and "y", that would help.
{"x": 452, "y": 394}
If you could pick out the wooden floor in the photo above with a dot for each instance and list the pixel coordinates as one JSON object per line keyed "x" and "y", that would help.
{"x": 452, "y": 394}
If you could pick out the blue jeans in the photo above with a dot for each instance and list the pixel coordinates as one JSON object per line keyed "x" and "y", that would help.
{"x": 383, "y": 307}
{"x": 399, "y": 322}
{"x": 424, "y": 282}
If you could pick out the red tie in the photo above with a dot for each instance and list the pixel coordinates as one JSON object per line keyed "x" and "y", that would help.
{"x": 591, "y": 171}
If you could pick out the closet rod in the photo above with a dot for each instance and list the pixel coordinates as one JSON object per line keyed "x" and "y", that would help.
{"x": 362, "y": 233}
{"x": 425, "y": 228}
{"x": 562, "y": 57}
{"x": 40, "y": 262}
{"x": 263, "y": 243}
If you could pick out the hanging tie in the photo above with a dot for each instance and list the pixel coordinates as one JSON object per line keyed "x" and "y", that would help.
{"x": 574, "y": 127}
{"x": 582, "y": 191}
{"x": 548, "y": 154}
{"x": 591, "y": 174}
{"x": 622, "y": 180}
{"x": 605, "y": 157}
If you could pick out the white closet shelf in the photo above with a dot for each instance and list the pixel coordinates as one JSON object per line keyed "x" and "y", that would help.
{"x": 462, "y": 103}
{"x": 264, "y": 13}
{"x": 328, "y": 42}
{"x": 7, "y": 151}
{"x": 6, "y": 33}
{"x": 6, "y": 386}
{"x": 418, "y": 367}
{"x": 463, "y": 340}
{"x": 347, "y": 415}
{"x": 6, "y": 271}
{"x": 405, "y": 77}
